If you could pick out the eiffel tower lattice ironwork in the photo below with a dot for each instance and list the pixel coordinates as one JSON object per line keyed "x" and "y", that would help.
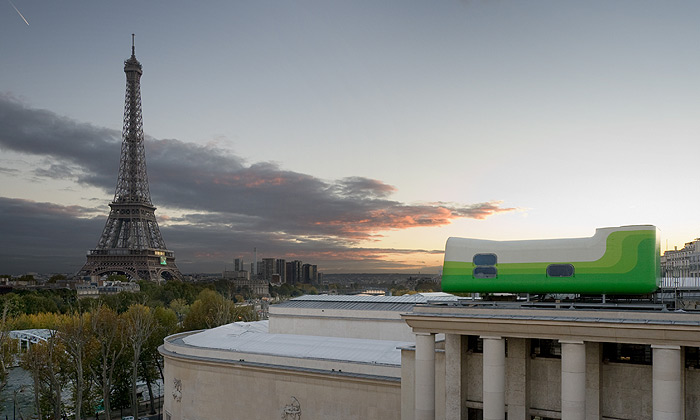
{"x": 131, "y": 242}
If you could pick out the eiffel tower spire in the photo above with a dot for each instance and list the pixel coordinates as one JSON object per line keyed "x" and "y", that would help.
{"x": 131, "y": 242}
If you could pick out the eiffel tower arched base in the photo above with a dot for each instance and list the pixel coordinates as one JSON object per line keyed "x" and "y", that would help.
{"x": 135, "y": 267}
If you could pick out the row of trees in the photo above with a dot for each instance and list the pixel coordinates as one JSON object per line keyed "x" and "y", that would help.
{"x": 65, "y": 300}
{"x": 103, "y": 347}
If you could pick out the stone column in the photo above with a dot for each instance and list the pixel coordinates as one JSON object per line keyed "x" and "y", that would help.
{"x": 494, "y": 378}
{"x": 517, "y": 389}
{"x": 573, "y": 380}
{"x": 425, "y": 376}
{"x": 455, "y": 377}
{"x": 593, "y": 377}
{"x": 666, "y": 382}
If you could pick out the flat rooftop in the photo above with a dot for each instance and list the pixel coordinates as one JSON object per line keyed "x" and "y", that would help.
{"x": 254, "y": 338}
{"x": 366, "y": 303}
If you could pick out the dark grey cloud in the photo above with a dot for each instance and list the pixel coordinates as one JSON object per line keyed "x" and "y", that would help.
{"x": 9, "y": 171}
{"x": 51, "y": 169}
{"x": 227, "y": 202}
{"x": 362, "y": 188}
{"x": 95, "y": 150}
{"x": 47, "y": 238}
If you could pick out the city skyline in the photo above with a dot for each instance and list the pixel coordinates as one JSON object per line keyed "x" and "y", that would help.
{"x": 359, "y": 136}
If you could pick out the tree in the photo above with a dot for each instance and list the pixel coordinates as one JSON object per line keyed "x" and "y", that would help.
{"x": 425, "y": 286}
{"x": 139, "y": 325}
{"x": 121, "y": 388}
{"x": 75, "y": 335}
{"x": 198, "y": 316}
{"x": 181, "y": 308}
{"x": 5, "y": 343}
{"x": 35, "y": 303}
{"x": 107, "y": 328}
{"x": 56, "y": 277}
{"x": 211, "y": 310}
{"x": 26, "y": 277}
{"x": 180, "y": 289}
{"x": 117, "y": 277}
{"x": 33, "y": 362}
{"x": 121, "y": 301}
{"x": 151, "y": 359}
{"x": 48, "y": 364}
{"x": 14, "y": 304}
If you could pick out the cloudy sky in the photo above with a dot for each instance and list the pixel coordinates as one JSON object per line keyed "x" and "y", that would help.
{"x": 354, "y": 135}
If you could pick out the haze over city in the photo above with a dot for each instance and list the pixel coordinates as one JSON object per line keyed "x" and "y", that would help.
{"x": 357, "y": 136}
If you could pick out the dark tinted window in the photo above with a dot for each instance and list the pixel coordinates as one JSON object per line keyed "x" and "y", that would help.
{"x": 545, "y": 348}
{"x": 485, "y": 272}
{"x": 627, "y": 353}
{"x": 475, "y": 344}
{"x": 692, "y": 357}
{"x": 475, "y": 414}
{"x": 485, "y": 259}
{"x": 560, "y": 270}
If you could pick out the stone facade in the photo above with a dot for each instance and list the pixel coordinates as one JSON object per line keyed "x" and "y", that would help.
{"x": 495, "y": 360}
{"x": 583, "y": 379}
{"x": 376, "y": 325}
{"x": 206, "y": 389}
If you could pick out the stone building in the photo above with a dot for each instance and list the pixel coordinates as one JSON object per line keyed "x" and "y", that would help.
{"x": 682, "y": 263}
{"x": 258, "y": 287}
{"x": 323, "y": 357}
{"x": 418, "y": 358}
{"x": 538, "y": 363}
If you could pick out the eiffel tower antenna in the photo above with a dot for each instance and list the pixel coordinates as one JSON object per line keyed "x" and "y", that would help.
{"x": 131, "y": 243}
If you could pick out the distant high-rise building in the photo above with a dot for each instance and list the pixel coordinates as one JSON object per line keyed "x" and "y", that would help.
{"x": 281, "y": 269}
{"x": 267, "y": 268}
{"x": 291, "y": 272}
{"x": 310, "y": 273}
{"x": 294, "y": 273}
{"x": 131, "y": 243}
{"x": 253, "y": 266}
{"x": 238, "y": 264}
{"x": 314, "y": 274}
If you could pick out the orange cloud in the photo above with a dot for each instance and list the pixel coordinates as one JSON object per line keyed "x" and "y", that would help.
{"x": 405, "y": 217}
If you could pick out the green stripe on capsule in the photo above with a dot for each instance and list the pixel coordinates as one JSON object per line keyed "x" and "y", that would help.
{"x": 628, "y": 266}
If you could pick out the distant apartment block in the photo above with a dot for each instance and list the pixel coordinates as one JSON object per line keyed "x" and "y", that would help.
{"x": 682, "y": 263}
{"x": 243, "y": 279}
{"x": 276, "y": 271}
{"x": 105, "y": 288}
{"x": 267, "y": 268}
{"x": 281, "y": 269}
{"x": 236, "y": 274}
{"x": 310, "y": 273}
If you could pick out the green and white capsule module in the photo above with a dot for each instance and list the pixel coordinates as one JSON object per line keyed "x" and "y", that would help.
{"x": 616, "y": 260}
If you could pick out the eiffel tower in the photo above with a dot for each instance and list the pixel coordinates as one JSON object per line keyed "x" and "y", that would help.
{"x": 131, "y": 243}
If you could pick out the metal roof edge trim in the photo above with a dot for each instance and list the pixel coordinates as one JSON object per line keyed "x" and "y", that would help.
{"x": 243, "y": 363}
{"x": 557, "y": 318}
{"x": 180, "y": 343}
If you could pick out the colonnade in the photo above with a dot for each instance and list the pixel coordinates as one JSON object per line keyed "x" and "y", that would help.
{"x": 667, "y": 401}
